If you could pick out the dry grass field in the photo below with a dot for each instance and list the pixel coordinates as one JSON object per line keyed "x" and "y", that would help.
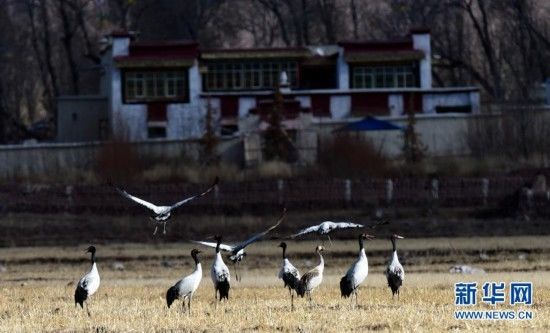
{"x": 37, "y": 287}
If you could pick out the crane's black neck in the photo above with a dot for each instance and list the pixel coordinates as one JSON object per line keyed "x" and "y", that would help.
{"x": 93, "y": 257}
{"x": 219, "y": 240}
{"x": 284, "y": 251}
{"x": 196, "y": 258}
{"x": 361, "y": 245}
{"x": 393, "y": 244}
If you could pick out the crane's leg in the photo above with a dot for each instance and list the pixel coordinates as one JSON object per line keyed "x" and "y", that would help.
{"x": 183, "y": 305}
{"x": 164, "y": 228}
{"x": 291, "y": 301}
{"x": 189, "y": 305}
{"x": 88, "y": 309}
{"x": 239, "y": 275}
{"x": 330, "y": 241}
{"x": 156, "y": 227}
{"x": 356, "y": 298}
{"x": 398, "y": 295}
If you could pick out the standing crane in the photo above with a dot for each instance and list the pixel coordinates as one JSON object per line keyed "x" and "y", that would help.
{"x": 313, "y": 278}
{"x": 357, "y": 273}
{"x": 88, "y": 284}
{"x": 394, "y": 272}
{"x": 289, "y": 274}
{"x": 186, "y": 287}
{"x": 220, "y": 273}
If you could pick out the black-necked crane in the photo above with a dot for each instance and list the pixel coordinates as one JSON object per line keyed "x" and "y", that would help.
{"x": 161, "y": 214}
{"x": 289, "y": 274}
{"x": 236, "y": 251}
{"x": 220, "y": 273}
{"x": 88, "y": 284}
{"x": 395, "y": 272}
{"x": 325, "y": 228}
{"x": 357, "y": 273}
{"x": 186, "y": 287}
{"x": 313, "y": 278}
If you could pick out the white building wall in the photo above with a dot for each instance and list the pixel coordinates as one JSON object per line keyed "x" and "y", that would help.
{"x": 184, "y": 121}
{"x": 305, "y": 101}
{"x": 340, "y": 106}
{"x": 128, "y": 121}
{"x": 131, "y": 121}
{"x": 342, "y": 70}
{"x": 421, "y": 41}
{"x": 431, "y": 101}
{"x": 245, "y": 104}
{"x": 395, "y": 103}
{"x": 195, "y": 83}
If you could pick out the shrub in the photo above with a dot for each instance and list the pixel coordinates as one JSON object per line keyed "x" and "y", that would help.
{"x": 348, "y": 156}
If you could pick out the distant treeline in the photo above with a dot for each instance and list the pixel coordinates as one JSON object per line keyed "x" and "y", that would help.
{"x": 50, "y": 48}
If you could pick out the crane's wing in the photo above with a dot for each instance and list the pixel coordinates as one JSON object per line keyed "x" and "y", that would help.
{"x": 344, "y": 225}
{"x": 223, "y": 247}
{"x": 305, "y": 231}
{"x": 142, "y": 202}
{"x": 256, "y": 237}
{"x": 183, "y": 202}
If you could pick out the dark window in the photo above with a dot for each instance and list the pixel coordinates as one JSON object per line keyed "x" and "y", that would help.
{"x": 399, "y": 76}
{"x": 151, "y": 86}
{"x": 248, "y": 75}
{"x": 155, "y": 132}
{"x": 454, "y": 109}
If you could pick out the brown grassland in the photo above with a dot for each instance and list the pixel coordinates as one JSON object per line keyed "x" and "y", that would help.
{"x": 37, "y": 287}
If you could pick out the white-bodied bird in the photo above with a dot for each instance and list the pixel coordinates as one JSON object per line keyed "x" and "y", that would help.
{"x": 88, "y": 284}
{"x": 313, "y": 278}
{"x": 289, "y": 274}
{"x": 237, "y": 250}
{"x": 394, "y": 272}
{"x": 326, "y": 227}
{"x": 161, "y": 214}
{"x": 220, "y": 273}
{"x": 357, "y": 273}
{"x": 186, "y": 287}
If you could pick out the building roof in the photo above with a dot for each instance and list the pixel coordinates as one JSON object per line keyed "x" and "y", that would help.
{"x": 184, "y": 53}
{"x": 159, "y": 54}
{"x": 384, "y": 56}
{"x": 255, "y": 53}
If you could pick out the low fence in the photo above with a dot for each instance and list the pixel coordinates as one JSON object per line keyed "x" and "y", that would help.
{"x": 257, "y": 195}
{"x": 43, "y": 159}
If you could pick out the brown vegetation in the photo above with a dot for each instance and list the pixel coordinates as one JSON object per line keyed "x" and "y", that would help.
{"x": 37, "y": 294}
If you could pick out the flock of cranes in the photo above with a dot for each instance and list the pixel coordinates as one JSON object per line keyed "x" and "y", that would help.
{"x": 301, "y": 285}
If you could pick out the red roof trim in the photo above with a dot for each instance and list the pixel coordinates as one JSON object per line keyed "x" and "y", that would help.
{"x": 163, "y": 43}
{"x": 365, "y": 46}
{"x": 165, "y": 49}
{"x": 257, "y": 49}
